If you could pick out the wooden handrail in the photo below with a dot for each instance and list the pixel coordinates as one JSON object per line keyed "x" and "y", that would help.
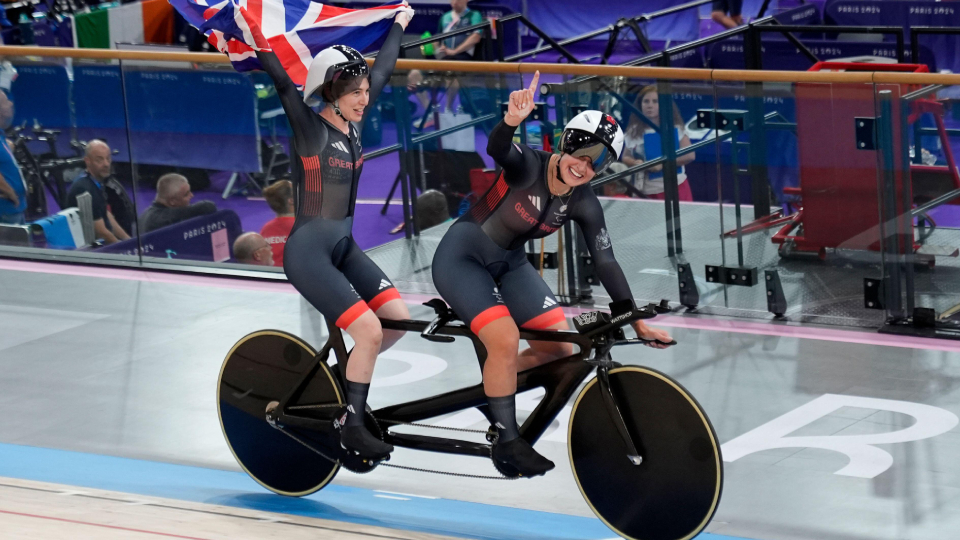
{"x": 865, "y": 77}
{"x": 112, "y": 54}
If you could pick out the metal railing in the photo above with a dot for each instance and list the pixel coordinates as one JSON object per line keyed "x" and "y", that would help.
{"x": 487, "y": 27}
{"x": 917, "y": 31}
{"x": 614, "y": 29}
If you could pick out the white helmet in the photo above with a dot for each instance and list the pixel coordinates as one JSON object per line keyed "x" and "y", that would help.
{"x": 595, "y": 135}
{"x": 328, "y": 66}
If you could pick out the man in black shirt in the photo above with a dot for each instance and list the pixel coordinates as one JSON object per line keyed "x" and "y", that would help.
{"x": 98, "y": 160}
{"x": 172, "y": 204}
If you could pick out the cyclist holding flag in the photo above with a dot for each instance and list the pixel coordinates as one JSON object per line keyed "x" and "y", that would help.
{"x": 321, "y": 259}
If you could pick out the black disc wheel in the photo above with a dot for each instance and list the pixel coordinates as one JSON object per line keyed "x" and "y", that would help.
{"x": 262, "y": 369}
{"x": 673, "y": 493}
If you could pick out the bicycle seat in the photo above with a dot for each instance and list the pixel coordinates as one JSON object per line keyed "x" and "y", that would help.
{"x": 441, "y": 309}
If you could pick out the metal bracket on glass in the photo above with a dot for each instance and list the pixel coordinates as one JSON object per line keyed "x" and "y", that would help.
{"x": 776, "y": 300}
{"x": 744, "y": 276}
{"x": 689, "y": 294}
{"x": 588, "y": 271}
{"x": 866, "y": 133}
{"x": 872, "y": 293}
{"x": 924, "y": 317}
{"x": 724, "y": 119}
{"x": 549, "y": 259}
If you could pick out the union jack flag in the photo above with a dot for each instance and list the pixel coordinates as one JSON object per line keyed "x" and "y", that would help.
{"x": 295, "y": 30}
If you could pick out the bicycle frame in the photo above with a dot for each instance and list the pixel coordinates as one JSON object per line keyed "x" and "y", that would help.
{"x": 560, "y": 379}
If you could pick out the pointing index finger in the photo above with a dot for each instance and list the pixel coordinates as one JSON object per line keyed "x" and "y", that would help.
{"x": 533, "y": 83}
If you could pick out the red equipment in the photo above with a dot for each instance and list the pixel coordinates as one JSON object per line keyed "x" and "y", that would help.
{"x": 838, "y": 194}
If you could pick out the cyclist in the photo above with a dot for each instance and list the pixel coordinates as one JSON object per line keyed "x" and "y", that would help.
{"x": 321, "y": 258}
{"x": 481, "y": 270}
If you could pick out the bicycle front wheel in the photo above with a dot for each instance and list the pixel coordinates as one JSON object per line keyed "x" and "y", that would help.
{"x": 674, "y": 492}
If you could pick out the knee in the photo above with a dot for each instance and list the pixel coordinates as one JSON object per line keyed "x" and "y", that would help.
{"x": 367, "y": 331}
{"x": 504, "y": 344}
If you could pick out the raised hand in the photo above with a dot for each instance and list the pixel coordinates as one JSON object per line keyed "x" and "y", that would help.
{"x": 404, "y": 16}
{"x": 521, "y": 103}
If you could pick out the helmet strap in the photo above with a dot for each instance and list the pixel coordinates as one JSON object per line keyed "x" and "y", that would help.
{"x": 336, "y": 108}
{"x": 560, "y": 176}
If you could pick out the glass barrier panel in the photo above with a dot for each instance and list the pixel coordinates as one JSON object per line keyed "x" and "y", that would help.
{"x": 441, "y": 121}
{"x": 658, "y": 233}
{"x": 919, "y": 185}
{"x": 61, "y": 196}
{"x": 798, "y": 201}
{"x": 205, "y": 142}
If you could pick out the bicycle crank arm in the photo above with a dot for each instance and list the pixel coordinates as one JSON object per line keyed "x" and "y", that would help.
{"x": 610, "y": 402}
{"x": 318, "y": 425}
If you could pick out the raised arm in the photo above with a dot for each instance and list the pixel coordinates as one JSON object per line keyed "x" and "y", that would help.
{"x": 297, "y": 111}
{"x": 515, "y": 159}
{"x": 387, "y": 58}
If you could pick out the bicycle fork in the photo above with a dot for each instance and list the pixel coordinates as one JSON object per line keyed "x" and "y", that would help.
{"x": 610, "y": 401}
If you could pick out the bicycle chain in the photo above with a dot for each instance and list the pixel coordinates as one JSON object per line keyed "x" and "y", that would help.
{"x": 405, "y": 467}
{"x": 395, "y": 422}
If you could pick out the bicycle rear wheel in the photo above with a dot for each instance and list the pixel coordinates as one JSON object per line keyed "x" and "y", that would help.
{"x": 260, "y": 370}
{"x": 674, "y": 492}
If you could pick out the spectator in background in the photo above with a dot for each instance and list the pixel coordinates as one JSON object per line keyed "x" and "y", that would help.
{"x": 98, "y": 160}
{"x": 172, "y": 204}
{"x": 251, "y": 248}
{"x": 460, "y": 47}
{"x": 13, "y": 190}
{"x": 727, "y": 13}
{"x": 650, "y": 181}
{"x": 432, "y": 209}
{"x": 279, "y": 196}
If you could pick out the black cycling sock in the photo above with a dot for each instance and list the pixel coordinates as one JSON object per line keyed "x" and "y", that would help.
{"x": 504, "y": 411}
{"x": 356, "y": 402}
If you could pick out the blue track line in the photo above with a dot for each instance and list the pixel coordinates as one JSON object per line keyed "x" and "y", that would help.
{"x": 334, "y": 502}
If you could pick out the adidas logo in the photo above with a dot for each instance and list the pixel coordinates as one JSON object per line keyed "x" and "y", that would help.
{"x": 548, "y": 302}
{"x": 535, "y": 200}
{"x": 384, "y": 284}
{"x": 340, "y": 146}
{"x": 351, "y": 410}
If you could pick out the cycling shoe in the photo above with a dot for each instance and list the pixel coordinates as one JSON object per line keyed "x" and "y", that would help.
{"x": 358, "y": 439}
{"x": 518, "y": 458}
